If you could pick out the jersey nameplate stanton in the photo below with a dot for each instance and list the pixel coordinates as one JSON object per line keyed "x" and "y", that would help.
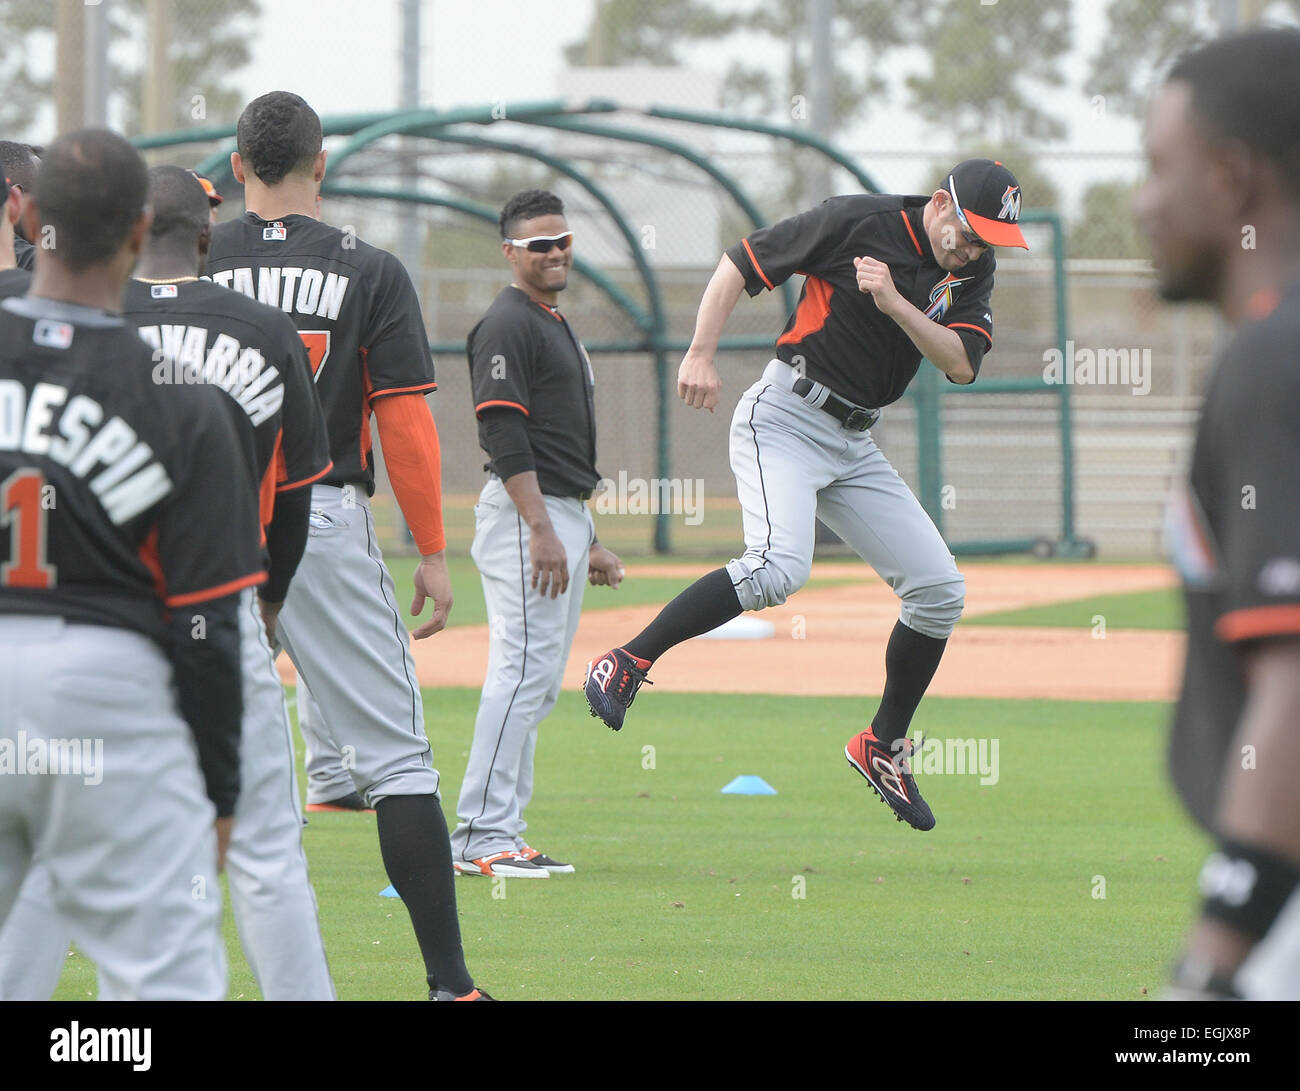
{"x": 291, "y": 288}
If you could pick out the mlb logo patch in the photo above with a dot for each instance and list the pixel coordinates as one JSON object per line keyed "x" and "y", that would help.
{"x": 163, "y": 291}
{"x": 52, "y": 335}
{"x": 274, "y": 232}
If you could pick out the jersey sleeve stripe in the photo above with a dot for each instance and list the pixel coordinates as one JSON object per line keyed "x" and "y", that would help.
{"x": 488, "y": 405}
{"x": 289, "y": 486}
{"x": 754, "y": 262}
{"x": 218, "y": 592}
{"x": 423, "y": 388}
{"x": 968, "y": 326}
{"x": 1253, "y": 622}
{"x": 903, "y": 212}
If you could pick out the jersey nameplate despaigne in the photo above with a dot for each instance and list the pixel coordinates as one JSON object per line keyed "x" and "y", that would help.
{"x": 355, "y": 309}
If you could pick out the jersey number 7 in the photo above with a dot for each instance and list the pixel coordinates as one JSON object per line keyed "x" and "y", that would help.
{"x": 318, "y": 349}
{"x": 23, "y": 510}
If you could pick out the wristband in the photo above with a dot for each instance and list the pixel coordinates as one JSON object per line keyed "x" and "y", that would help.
{"x": 1246, "y": 886}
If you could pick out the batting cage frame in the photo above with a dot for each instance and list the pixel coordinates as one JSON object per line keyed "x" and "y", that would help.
{"x": 928, "y": 395}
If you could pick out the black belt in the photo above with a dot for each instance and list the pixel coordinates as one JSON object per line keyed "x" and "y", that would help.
{"x": 853, "y": 417}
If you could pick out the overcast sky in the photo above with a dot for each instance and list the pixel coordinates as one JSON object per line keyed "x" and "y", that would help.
{"x": 344, "y": 55}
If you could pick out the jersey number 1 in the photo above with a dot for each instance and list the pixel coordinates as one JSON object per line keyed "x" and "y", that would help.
{"x": 22, "y": 510}
{"x": 318, "y": 349}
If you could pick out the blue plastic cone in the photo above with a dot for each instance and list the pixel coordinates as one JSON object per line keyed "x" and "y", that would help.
{"x": 389, "y": 892}
{"x": 749, "y": 786}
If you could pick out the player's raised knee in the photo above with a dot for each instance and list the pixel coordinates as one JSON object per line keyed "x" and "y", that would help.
{"x": 934, "y": 610}
{"x": 769, "y": 583}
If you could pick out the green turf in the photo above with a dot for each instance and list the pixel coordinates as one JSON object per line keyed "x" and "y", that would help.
{"x": 1161, "y": 609}
{"x": 467, "y": 590}
{"x": 684, "y": 893}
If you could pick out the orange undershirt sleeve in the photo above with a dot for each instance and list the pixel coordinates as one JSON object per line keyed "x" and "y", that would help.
{"x": 413, "y": 458}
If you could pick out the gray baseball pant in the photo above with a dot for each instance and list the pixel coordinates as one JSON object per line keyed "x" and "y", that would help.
{"x": 529, "y": 640}
{"x": 794, "y": 463}
{"x": 129, "y": 853}
{"x": 270, "y": 892}
{"x": 342, "y": 628}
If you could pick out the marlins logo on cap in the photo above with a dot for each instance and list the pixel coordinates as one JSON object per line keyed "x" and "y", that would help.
{"x": 986, "y": 197}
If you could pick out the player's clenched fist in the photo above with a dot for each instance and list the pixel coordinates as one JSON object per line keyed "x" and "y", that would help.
{"x": 698, "y": 384}
{"x": 604, "y": 569}
{"x": 875, "y": 278}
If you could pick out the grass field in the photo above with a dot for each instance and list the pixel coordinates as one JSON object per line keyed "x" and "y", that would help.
{"x": 684, "y": 893}
{"x": 1161, "y": 609}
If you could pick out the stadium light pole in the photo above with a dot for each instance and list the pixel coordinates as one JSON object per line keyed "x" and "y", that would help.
{"x": 409, "y": 99}
{"x": 820, "y": 101}
{"x": 96, "y": 65}
{"x": 70, "y": 51}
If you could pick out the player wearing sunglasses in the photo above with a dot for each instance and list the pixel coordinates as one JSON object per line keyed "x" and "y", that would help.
{"x": 534, "y": 542}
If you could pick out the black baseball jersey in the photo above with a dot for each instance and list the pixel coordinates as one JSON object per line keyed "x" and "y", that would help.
{"x": 354, "y": 307}
{"x": 202, "y": 332}
{"x": 1234, "y": 535}
{"x": 525, "y": 358}
{"x": 116, "y": 492}
{"x": 837, "y": 333}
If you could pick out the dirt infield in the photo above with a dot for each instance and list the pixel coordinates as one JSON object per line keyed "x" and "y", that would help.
{"x": 831, "y": 641}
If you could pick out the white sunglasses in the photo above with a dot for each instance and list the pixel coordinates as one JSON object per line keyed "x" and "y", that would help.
{"x": 541, "y": 244}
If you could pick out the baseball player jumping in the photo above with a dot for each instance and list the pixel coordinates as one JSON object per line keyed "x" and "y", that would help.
{"x": 888, "y": 279}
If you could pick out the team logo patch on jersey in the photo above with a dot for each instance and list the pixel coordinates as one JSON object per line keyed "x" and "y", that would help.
{"x": 275, "y": 232}
{"x": 52, "y": 335}
{"x": 163, "y": 291}
{"x": 942, "y": 294}
{"x": 1281, "y": 576}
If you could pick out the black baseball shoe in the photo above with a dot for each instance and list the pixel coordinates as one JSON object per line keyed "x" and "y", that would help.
{"x": 611, "y": 685}
{"x": 889, "y": 772}
{"x": 543, "y": 861}
{"x": 350, "y": 802}
{"x": 447, "y": 994}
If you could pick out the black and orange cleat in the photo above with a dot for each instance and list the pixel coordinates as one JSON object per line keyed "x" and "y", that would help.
{"x": 611, "y": 685}
{"x": 350, "y": 802}
{"x": 447, "y": 994}
{"x": 890, "y": 775}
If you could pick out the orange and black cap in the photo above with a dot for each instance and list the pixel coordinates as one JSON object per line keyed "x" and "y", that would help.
{"x": 214, "y": 198}
{"x": 986, "y": 197}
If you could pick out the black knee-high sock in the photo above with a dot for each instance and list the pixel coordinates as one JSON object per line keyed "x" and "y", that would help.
{"x": 911, "y": 659}
{"x": 709, "y": 602}
{"x": 414, "y": 843}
